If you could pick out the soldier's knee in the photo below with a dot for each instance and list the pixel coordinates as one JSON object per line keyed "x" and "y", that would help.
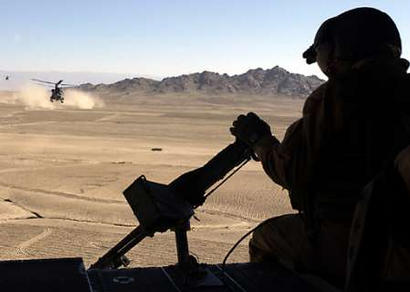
{"x": 273, "y": 228}
{"x": 256, "y": 255}
{"x": 261, "y": 244}
{"x": 270, "y": 240}
{"x": 259, "y": 235}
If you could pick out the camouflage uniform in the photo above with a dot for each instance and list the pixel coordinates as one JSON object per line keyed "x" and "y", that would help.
{"x": 352, "y": 126}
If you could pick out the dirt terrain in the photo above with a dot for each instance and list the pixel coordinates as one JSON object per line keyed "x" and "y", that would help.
{"x": 63, "y": 170}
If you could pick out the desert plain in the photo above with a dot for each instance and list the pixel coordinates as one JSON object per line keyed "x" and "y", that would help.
{"x": 63, "y": 170}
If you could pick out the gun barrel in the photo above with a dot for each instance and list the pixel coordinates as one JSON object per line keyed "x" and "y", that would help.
{"x": 192, "y": 185}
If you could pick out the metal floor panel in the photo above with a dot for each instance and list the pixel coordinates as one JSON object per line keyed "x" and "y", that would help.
{"x": 45, "y": 275}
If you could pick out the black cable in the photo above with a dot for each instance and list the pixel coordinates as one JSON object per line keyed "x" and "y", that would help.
{"x": 239, "y": 241}
{"x": 228, "y": 177}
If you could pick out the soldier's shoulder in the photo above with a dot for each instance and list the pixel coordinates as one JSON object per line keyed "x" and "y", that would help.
{"x": 314, "y": 99}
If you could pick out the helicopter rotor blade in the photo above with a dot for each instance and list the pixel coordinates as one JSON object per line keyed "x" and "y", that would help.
{"x": 42, "y": 81}
{"x": 69, "y": 85}
{"x": 45, "y": 85}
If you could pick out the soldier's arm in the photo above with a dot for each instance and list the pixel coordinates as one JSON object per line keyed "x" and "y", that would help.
{"x": 276, "y": 156}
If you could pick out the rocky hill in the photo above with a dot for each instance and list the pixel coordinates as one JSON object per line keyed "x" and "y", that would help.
{"x": 275, "y": 81}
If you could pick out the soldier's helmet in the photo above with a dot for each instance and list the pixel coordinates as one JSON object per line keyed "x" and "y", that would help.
{"x": 356, "y": 34}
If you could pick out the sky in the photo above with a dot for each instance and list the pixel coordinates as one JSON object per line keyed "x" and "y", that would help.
{"x": 160, "y": 38}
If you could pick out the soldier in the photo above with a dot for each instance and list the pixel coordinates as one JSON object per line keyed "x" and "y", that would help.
{"x": 352, "y": 126}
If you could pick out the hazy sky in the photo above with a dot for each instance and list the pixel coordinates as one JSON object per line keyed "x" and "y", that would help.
{"x": 166, "y": 37}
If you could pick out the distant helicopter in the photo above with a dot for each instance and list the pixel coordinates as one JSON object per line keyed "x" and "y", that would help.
{"x": 57, "y": 93}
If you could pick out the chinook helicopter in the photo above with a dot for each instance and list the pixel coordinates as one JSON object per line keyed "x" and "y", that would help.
{"x": 57, "y": 93}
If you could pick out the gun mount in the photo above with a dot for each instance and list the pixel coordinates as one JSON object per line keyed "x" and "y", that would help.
{"x": 160, "y": 207}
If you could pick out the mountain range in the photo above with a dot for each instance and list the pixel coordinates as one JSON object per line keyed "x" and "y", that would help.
{"x": 275, "y": 81}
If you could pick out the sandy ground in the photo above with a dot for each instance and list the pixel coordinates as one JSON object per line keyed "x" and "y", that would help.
{"x": 62, "y": 173}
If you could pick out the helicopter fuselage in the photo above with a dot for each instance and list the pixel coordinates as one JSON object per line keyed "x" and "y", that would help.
{"x": 57, "y": 95}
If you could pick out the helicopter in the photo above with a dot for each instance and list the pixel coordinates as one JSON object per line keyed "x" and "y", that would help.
{"x": 57, "y": 93}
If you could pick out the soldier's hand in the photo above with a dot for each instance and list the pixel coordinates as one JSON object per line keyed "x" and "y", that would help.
{"x": 250, "y": 128}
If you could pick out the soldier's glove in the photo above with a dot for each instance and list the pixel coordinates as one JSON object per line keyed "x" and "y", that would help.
{"x": 250, "y": 129}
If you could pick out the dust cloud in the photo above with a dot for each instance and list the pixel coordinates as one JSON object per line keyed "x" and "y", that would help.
{"x": 38, "y": 97}
{"x": 81, "y": 100}
{"x": 33, "y": 96}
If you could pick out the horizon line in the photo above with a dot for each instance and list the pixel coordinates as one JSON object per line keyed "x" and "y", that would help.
{"x": 151, "y": 75}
